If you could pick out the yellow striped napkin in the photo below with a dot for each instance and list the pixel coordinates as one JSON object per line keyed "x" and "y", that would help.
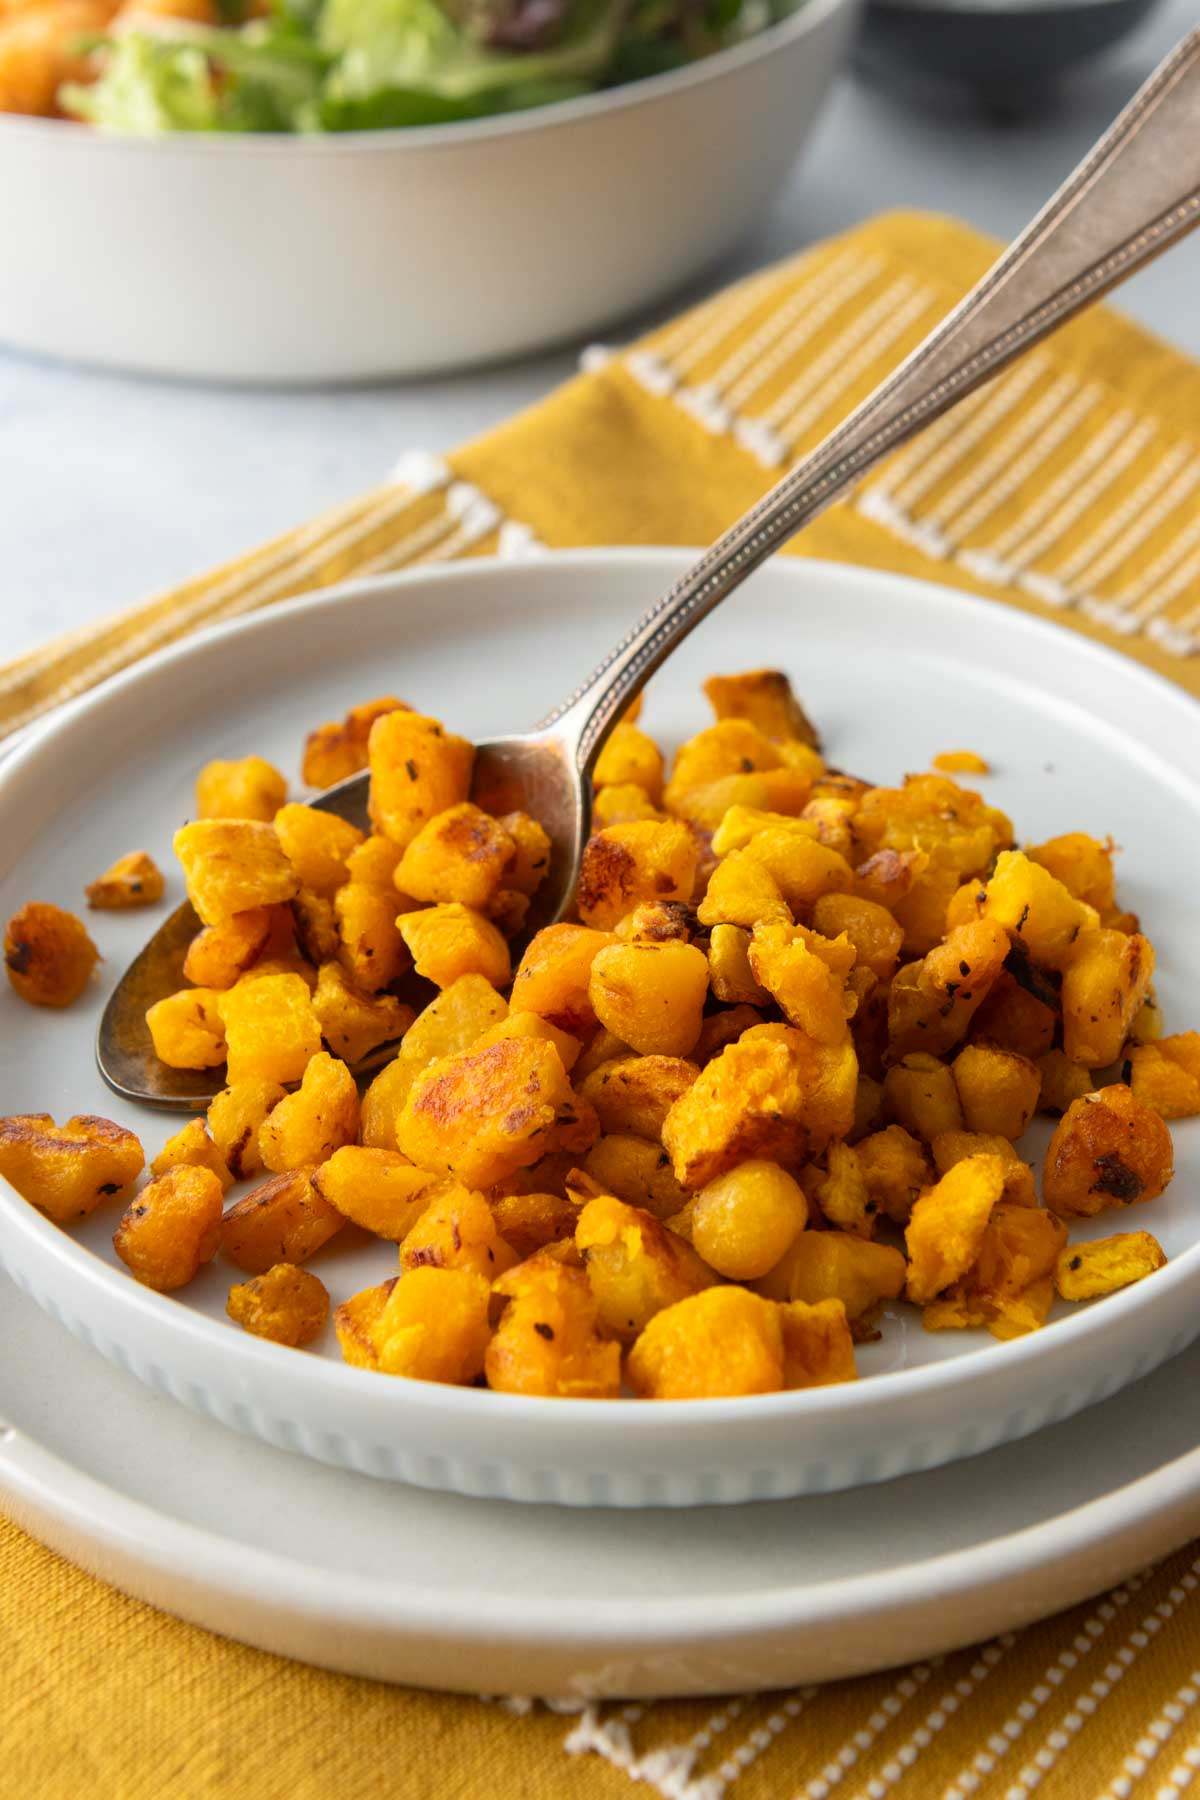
{"x": 1070, "y": 488}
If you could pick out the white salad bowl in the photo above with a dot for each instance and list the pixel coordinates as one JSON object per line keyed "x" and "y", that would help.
{"x": 364, "y": 255}
{"x": 893, "y": 671}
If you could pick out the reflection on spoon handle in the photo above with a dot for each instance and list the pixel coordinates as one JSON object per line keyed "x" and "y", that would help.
{"x": 1136, "y": 193}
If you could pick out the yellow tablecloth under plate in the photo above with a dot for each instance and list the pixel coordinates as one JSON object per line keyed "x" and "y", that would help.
{"x": 1071, "y": 488}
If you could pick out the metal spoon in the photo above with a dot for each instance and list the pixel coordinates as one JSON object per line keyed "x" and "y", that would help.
{"x": 1136, "y": 193}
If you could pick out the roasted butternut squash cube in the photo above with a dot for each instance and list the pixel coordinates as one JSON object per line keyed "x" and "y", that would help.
{"x": 623, "y": 805}
{"x": 235, "y": 1116}
{"x": 1014, "y": 1019}
{"x": 808, "y": 992}
{"x": 1086, "y": 1271}
{"x": 552, "y": 977}
{"x": 920, "y": 1094}
{"x": 455, "y": 1019}
{"x": 547, "y": 1342}
{"x": 377, "y": 1189}
{"x": 843, "y": 1195}
{"x": 730, "y": 975}
{"x": 484, "y": 1114}
{"x": 285, "y": 1220}
{"x": 220, "y": 954}
{"x": 187, "y": 1029}
{"x": 635, "y": 1265}
{"x": 285, "y": 1305}
{"x": 832, "y": 820}
{"x": 372, "y": 951}
{"x": 603, "y": 1046}
{"x": 315, "y": 921}
{"x": 923, "y": 911}
{"x": 456, "y": 1230}
{"x": 1036, "y": 909}
{"x": 783, "y": 790}
{"x": 967, "y": 904}
{"x": 271, "y": 1028}
{"x": 741, "y": 823}
{"x": 803, "y": 869}
{"x": 625, "y": 865}
{"x": 818, "y": 1347}
{"x": 374, "y": 862}
{"x": 1020, "y": 1247}
{"x": 946, "y": 1230}
{"x": 650, "y": 995}
{"x": 338, "y": 749}
{"x": 630, "y": 757}
{"x": 722, "y": 1028}
{"x": 529, "y": 1221}
{"x": 461, "y": 854}
{"x": 636, "y": 1171}
{"x": 231, "y": 865}
{"x": 67, "y": 1171}
{"x": 449, "y": 941}
{"x": 1083, "y": 864}
{"x": 531, "y": 1025}
{"x": 997, "y": 1088}
{"x": 354, "y": 1024}
{"x": 836, "y": 1265}
{"x": 1062, "y": 1082}
{"x": 434, "y": 1326}
{"x": 657, "y": 922}
{"x": 953, "y": 1147}
{"x": 868, "y": 1106}
{"x": 450, "y": 1023}
{"x": 1166, "y": 1075}
{"x": 1104, "y": 985}
{"x": 317, "y": 844}
{"x": 634, "y": 1094}
{"x": 742, "y": 892}
{"x": 731, "y": 747}
{"x": 871, "y": 929}
{"x": 192, "y": 1147}
{"x": 1108, "y": 1149}
{"x": 744, "y": 1221}
{"x": 247, "y": 788}
{"x": 306, "y": 1127}
{"x": 418, "y": 769}
{"x": 774, "y": 1095}
{"x": 888, "y": 877}
{"x": 133, "y": 880}
{"x": 170, "y": 1230}
{"x": 895, "y": 1167}
{"x": 710, "y": 1345}
{"x": 954, "y": 827}
{"x": 931, "y": 1003}
{"x": 355, "y": 1320}
{"x": 961, "y": 762}
{"x": 48, "y": 954}
{"x": 764, "y": 698}
{"x": 530, "y": 861}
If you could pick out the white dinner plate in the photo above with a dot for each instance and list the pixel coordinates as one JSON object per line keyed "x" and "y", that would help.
{"x": 894, "y": 671}
{"x": 481, "y": 1597}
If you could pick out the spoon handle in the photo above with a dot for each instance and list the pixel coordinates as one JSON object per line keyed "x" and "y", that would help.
{"x": 1136, "y": 193}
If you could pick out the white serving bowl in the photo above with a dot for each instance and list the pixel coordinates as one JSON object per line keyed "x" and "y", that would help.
{"x": 894, "y": 670}
{"x": 383, "y": 253}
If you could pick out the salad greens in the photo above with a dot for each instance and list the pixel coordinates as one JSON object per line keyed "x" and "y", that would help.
{"x": 356, "y": 65}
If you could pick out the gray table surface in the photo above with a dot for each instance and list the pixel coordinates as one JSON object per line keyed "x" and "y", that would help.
{"x": 112, "y": 487}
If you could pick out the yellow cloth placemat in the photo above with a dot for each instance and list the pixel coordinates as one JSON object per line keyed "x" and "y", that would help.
{"x": 1070, "y": 487}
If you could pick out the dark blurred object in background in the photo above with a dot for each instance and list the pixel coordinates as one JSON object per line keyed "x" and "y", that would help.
{"x": 1010, "y": 53}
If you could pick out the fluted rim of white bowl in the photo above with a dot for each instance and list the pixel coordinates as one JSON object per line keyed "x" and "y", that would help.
{"x": 473, "y": 1404}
